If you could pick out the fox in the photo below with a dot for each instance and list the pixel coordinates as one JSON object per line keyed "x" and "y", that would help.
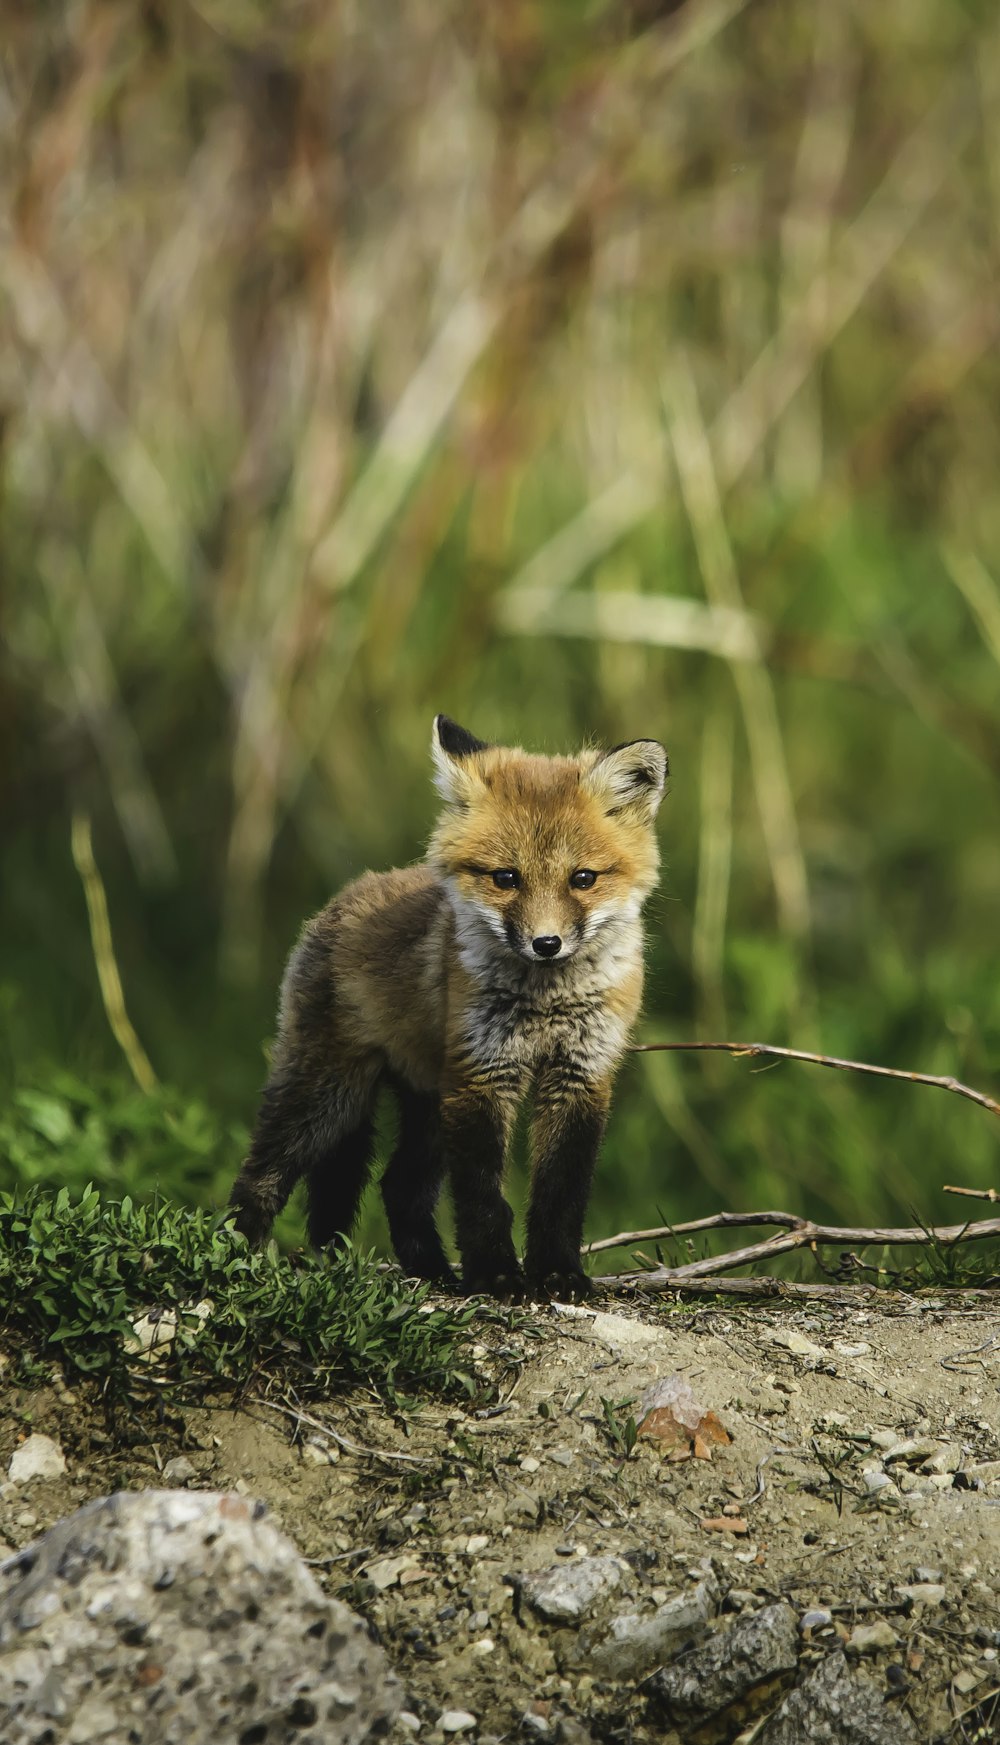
{"x": 509, "y": 961}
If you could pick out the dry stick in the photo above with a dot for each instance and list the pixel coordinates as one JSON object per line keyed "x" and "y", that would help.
{"x": 974, "y": 1193}
{"x": 104, "y": 953}
{"x": 804, "y": 1234}
{"x": 766, "y": 1048}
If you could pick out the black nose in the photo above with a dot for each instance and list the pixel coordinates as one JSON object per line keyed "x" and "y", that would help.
{"x": 549, "y": 945}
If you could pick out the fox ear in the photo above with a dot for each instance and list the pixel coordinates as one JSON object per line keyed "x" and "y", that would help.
{"x": 630, "y": 778}
{"x": 451, "y": 748}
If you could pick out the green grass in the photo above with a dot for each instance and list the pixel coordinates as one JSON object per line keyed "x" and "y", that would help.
{"x": 77, "y": 1271}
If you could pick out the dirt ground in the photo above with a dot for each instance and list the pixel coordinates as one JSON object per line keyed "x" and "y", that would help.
{"x": 862, "y": 1486}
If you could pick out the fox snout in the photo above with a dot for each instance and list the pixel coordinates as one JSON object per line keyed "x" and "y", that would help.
{"x": 539, "y": 947}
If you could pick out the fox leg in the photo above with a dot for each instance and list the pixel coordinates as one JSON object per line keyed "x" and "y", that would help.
{"x": 476, "y": 1123}
{"x": 411, "y": 1184}
{"x": 309, "y": 1124}
{"x": 568, "y": 1125}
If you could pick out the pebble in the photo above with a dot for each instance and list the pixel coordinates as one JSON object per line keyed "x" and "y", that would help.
{"x": 37, "y": 1457}
{"x": 408, "y": 1721}
{"x": 179, "y": 1470}
{"x": 567, "y": 1592}
{"x": 529, "y": 1463}
{"x": 816, "y": 1619}
{"x": 869, "y": 1638}
{"x": 923, "y": 1593}
{"x": 476, "y": 1542}
{"x": 456, "y": 1721}
{"x": 922, "y": 1573}
{"x": 946, "y": 1459}
{"x": 536, "y": 1725}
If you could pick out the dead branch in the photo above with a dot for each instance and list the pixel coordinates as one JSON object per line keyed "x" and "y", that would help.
{"x": 974, "y": 1193}
{"x": 769, "y": 1049}
{"x": 801, "y": 1233}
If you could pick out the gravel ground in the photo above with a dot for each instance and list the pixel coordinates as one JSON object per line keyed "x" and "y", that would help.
{"x": 534, "y": 1574}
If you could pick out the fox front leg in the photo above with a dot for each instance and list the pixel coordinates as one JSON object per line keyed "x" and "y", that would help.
{"x": 570, "y": 1114}
{"x": 475, "y": 1126}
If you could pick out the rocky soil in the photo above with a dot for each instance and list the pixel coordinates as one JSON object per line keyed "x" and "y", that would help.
{"x": 832, "y": 1573}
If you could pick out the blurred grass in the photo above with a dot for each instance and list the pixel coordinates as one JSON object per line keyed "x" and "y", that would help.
{"x": 340, "y": 376}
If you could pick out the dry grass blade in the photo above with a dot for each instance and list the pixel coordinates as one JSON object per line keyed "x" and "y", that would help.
{"x": 702, "y": 500}
{"x": 104, "y": 954}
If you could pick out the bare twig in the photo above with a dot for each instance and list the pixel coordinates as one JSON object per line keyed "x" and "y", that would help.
{"x": 104, "y": 953}
{"x": 803, "y": 1233}
{"x": 766, "y": 1048}
{"x": 344, "y": 1442}
{"x": 974, "y": 1193}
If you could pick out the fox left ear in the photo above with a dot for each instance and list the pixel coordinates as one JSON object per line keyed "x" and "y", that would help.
{"x": 630, "y": 778}
{"x": 452, "y": 747}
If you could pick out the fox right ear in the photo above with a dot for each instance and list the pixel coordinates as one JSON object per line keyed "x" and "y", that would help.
{"x": 452, "y": 747}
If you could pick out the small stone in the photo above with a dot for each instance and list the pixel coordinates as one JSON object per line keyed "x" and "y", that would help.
{"x": 921, "y": 1594}
{"x": 38, "y": 1457}
{"x": 561, "y": 1456}
{"x": 567, "y": 1592}
{"x": 818, "y": 1618}
{"x": 385, "y": 1573}
{"x": 877, "y": 1482}
{"x": 862, "y": 1349}
{"x": 476, "y": 1542}
{"x": 408, "y": 1721}
{"x": 923, "y": 1573}
{"x": 456, "y": 1721}
{"x": 946, "y": 1459}
{"x": 871, "y": 1638}
{"x": 911, "y": 1450}
{"x": 635, "y": 1644}
{"x": 179, "y": 1470}
{"x": 536, "y": 1725}
{"x": 964, "y": 1682}
{"x": 484, "y": 1646}
{"x": 797, "y": 1343}
{"x": 529, "y": 1463}
{"x": 833, "y": 1420}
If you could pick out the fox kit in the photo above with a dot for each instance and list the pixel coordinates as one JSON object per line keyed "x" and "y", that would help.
{"x": 509, "y": 961}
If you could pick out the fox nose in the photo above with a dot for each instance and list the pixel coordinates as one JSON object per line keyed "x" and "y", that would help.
{"x": 548, "y": 945}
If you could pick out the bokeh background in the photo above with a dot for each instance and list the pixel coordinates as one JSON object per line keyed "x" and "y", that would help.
{"x": 587, "y": 369}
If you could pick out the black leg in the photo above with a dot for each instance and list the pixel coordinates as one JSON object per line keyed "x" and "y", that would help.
{"x": 335, "y": 1185}
{"x": 306, "y": 1125}
{"x": 411, "y": 1184}
{"x": 475, "y": 1126}
{"x": 568, "y": 1125}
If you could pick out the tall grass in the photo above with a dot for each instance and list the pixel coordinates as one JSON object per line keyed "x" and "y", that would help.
{"x": 586, "y": 371}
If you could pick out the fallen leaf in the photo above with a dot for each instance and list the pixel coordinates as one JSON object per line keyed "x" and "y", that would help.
{"x": 673, "y": 1417}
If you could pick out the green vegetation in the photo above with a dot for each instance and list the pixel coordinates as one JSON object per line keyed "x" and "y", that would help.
{"x": 78, "y": 1272}
{"x": 622, "y": 369}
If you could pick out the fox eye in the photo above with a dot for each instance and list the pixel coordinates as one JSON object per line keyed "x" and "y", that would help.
{"x": 582, "y": 879}
{"x": 506, "y": 879}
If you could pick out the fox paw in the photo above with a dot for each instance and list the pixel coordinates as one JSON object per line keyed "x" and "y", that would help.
{"x": 511, "y": 1285}
{"x": 565, "y": 1285}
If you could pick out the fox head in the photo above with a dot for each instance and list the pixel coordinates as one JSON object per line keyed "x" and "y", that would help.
{"x": 543, "y": 855}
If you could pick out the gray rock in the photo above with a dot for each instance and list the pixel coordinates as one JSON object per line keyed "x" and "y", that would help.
{"x": 567, "y": 1592}
{"x": 757, "y": 1647}
{"x": 635, "y": 1644}
{"x": 181, "y": 1618}
{"x": 835, "y": 1706}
